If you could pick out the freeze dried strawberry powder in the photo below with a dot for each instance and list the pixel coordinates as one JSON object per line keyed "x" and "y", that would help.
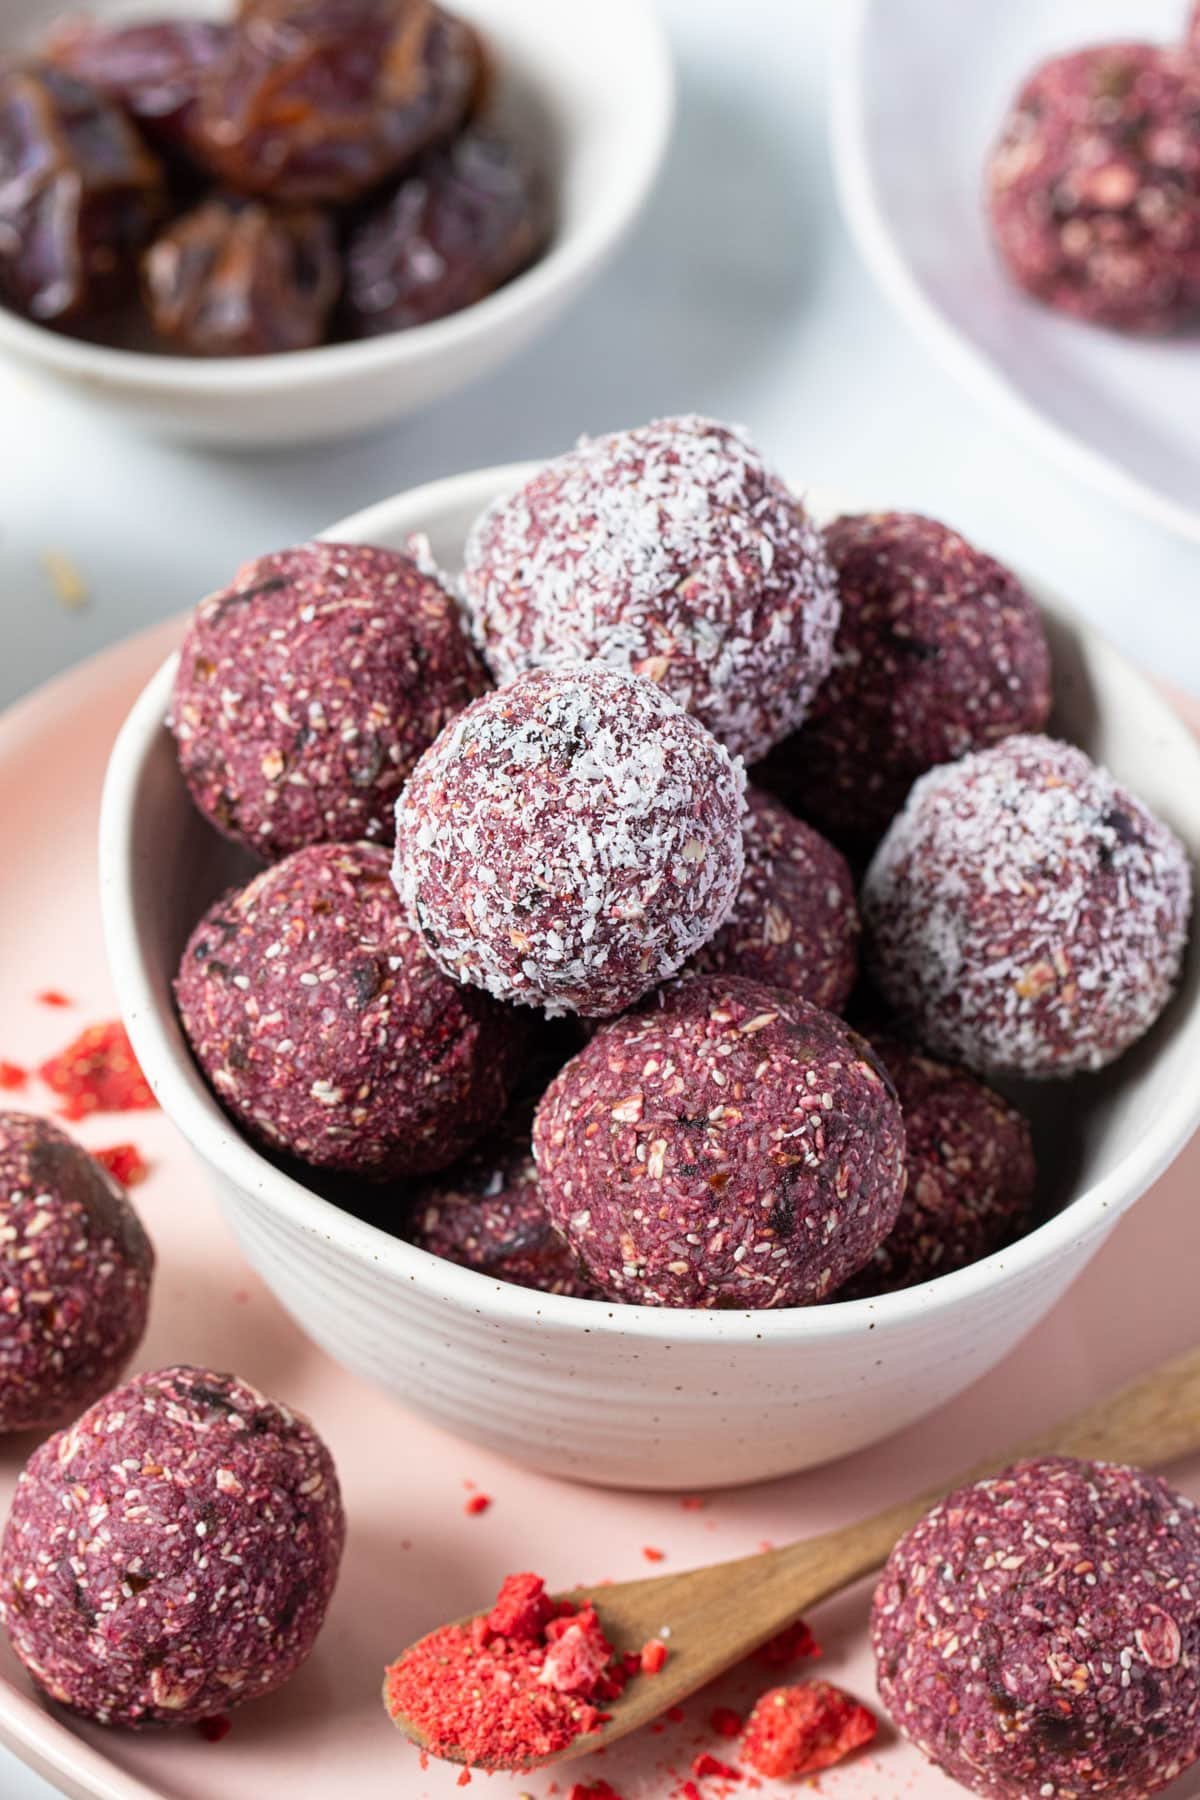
{"x": 799, "y": 1730}
{"x": 96, "y": 1073}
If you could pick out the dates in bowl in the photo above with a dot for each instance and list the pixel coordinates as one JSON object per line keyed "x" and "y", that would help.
{"x": 298, "y": 173}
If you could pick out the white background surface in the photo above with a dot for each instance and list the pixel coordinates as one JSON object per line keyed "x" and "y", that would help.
{"x": 740, "y": 295}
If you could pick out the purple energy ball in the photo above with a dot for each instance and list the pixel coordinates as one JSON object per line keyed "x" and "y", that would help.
{"x": 75, "y": 1269}
{"x": 570, "y": 840}
{"x": 326, "y": 1029}
{"x": 672, "y": 551}
{"x": 487, "y": 1213}
{"x": 794, "y": 923}
{"x": 940, "y": 651}
{"x": 1038, "y": 1633}
{"x": 727, "y": 1145}
{"x": 308, "y": 688}
{"x": 1094, "y": 186}
{"x": 171, "y": 1554}
{"x": 971, "y": 1175}
{"x": 1025, "y": 915}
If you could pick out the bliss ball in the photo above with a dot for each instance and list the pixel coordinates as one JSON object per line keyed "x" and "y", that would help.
{"x": 1094, "y": 186}
{"x": 487, "y": 1213}
{"x": 171, "y": 1554}
{"x": 794, "y": 923}
{"x": 329, "y": 1033}
{"x": 1025, "y": 914}
{"x": 1038, "y": 1633}
{"x": 970, "y": 1175}
{"x": 308, "y": 688}
{"x": 671, "y": 551}
{"x": 727, "y": 1145}
{"x": 570, "y": 840}
{"x": 940, "y": 650}
{"x": 75, "y": 1272}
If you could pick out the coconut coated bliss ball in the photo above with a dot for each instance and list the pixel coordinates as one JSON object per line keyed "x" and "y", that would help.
{"x": 75, "y": 1272}
{"x": 1025, "y": 914}
{"x": 308, "y": 688}
{"x": 570, "y": 840}
{"x": 727, "y": 1145}
{"x": 940, "y": 650}
{"x": 670, "y": 551}
{"x": 325, "y": 1028}
{"x": 172, "y": 1554}
{"x": 1038, "y": 1634}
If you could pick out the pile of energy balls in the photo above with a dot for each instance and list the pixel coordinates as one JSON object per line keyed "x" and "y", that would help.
{"x": 533, "y": 957}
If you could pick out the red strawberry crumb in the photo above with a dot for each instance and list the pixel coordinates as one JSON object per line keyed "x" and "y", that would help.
{"x": 216, "y": 1728}
{"x": 708, "y": 1765}
{"x": 653, "y": 1555}
{"x": 654, "y": 1656}
{"x": 577, "y": 1654}
{"x": 593, "y": 1790}
{"x": 693, "y": 1503}
{"x": 725, "y": 1722}
{"x": 689, "y": 1791}
{"x": 464, "y": 1779}
{"x": 675, "y": 1714}
{"x": 799, "y": 1730}
{"x": 52, "y": 997}
{"x": 522, "y": 1610}
{"x": 12, "y": 1076}
{"x": 789, "y": 1645}
{"x": 125, "y": 1161}
{"x": 98, "y": 1072}
{"x": 478, "y": 1503}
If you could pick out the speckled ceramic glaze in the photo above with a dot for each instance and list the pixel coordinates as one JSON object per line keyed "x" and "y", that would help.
{"x": 622, "y": 1394}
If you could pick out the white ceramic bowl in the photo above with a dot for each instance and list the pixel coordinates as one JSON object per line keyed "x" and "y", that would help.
{"x": 629, "y": 1395}
{"x": 591, "y": 87}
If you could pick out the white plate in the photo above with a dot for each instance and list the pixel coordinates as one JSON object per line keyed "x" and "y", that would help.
{"x": 919, "y": 91}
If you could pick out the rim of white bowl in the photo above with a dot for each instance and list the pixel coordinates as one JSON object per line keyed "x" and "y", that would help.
{"x": 186, "y": 1099}
{"x": 867, "y": 220}
{"x": 570, "y": 259}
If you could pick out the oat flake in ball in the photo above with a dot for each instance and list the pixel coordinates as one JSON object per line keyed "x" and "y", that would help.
{"x": 970, "y": 1174}
{"x": 171, "y": 1555}
{"x": 940, "y": 650}
{"x": 308, "y": 688}
{"x": 794, "y": 923}
{"x": 1094, "y": 186}
{"x": 75, "y": 1271}
{"x": 570, "y": 840}
{"x": 327, "y": 1031}
{"x": 1025, "y": 915}
{"x": 1039, "y": 1633}
{"x": 727, "y": 1145}
{"x": 672, "y": 551}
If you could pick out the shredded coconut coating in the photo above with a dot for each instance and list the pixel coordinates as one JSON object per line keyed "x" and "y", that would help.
{"x": 727, "y": 1145}
{"x": 794, "y": 923}
{"x": 1094, "y": 186}
{"x": 308, "y": 688}
{"x": 1025, "y": 915}
{"x": 570, "y": 840}
{"x": 328, "y": 1032}
{"x": 940, "y": 651}
{"x": 1038, "y": 1634}
{"x": 75, "y": 1271}
{"x": 970, "y": 1168}
{"x": 171, "y": 1555}
{"x": 487, "y": 1213}
{"x": 672, "y": 551}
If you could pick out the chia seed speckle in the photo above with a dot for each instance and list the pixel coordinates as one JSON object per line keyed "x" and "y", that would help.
{"x": 970, "y": 1175}
{"x": 940, "y": 651}
{"x": 1039, "y": 1633}
{"x": 326, "y": 1029}
{"x": 727, "y": 1145}
{"x": 309, "y": 687}
{"x": 1025, "y": 915}
{"x": 794, "y": 923}
{"x": 171, "y": 1554}
{"x": 75, "y": 1272}
{"x": 570, "y": 840}
{"x": 671, "y": 551}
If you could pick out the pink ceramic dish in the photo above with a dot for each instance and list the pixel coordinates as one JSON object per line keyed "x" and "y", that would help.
{"x": 413, "y": 1555}
{"x": 631, "y": 1395}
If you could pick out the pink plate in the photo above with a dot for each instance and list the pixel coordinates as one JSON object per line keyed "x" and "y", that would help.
{"x": 414, "y": 1555}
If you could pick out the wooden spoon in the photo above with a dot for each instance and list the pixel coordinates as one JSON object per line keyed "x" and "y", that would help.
{"x": 720, "y": 1614}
